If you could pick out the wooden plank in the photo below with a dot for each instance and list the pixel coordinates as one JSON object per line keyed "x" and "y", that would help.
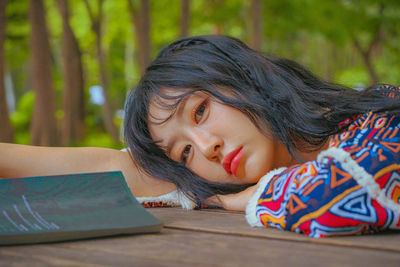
{"x": 191, "y": 248}
{"x": 234, "y": 223}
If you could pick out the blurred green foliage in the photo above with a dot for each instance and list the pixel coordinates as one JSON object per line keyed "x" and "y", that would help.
{"x": 318, "y": 34}
{"x": 21, "y": 117}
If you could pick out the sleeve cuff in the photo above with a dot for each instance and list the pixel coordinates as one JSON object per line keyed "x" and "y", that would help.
{"x": 251, "y": 215}
{"x": 173, "y": 199}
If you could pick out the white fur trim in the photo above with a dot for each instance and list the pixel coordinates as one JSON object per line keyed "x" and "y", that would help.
{"x": 174, "y": 198}
{"x": 362, "y": 177}
{"x": 251, "y": 215}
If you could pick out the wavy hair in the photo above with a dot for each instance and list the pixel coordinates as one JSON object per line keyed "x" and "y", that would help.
{"x": 282, "y": 99}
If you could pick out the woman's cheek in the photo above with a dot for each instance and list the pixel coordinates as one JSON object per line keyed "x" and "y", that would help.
{"x": 254, "y": 168}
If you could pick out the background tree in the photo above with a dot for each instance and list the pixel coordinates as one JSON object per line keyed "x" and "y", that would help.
{"x": 332, "y": 38}
{"x": 184, "y": 18}
{"x": 43, "y": 127}
{"x": 6, "y": 130}
{"x": 372, "y": 44}
{"x": 256, "y": 27}
{"x": 140, "y": 14}
{"x": 73, "y": 94}
{"x": 96, "y": 22}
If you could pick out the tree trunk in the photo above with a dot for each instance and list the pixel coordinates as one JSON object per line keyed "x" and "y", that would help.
{"x": 366, "y": 57}
{"x": 6, "y": 130}
{"x": 374, "y": 43}
{"x": 185, "y": 18}
{"x": 141, "y": 22}
{"x": 43, "y": 127}
{"x": 256, "y": 27}
{"x": 73, "y": 95}
{"x": 217, "y": 28}
{"x": 106, "y": 108}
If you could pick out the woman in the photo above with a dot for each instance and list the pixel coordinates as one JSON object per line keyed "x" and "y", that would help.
{"x": 220, "y": 122}
{"x": 213, "y": 117}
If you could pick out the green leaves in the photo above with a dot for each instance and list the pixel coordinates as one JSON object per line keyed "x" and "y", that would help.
{"x": 318, "y": 34}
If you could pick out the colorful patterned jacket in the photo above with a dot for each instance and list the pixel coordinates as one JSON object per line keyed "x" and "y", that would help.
{"x": 353, "y": 187}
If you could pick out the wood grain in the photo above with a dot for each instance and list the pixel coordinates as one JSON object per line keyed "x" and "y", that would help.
{"x": 234, "y": 223}
{"x": 190, "y": 248}
{"x": 209, "y": 238}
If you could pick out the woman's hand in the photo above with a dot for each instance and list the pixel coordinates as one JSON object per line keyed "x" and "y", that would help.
{"x": 236, "y": 202}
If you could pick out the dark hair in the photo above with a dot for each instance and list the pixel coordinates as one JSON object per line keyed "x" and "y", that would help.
{"x": 280, "y": 97}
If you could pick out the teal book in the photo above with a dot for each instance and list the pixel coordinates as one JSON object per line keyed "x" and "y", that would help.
{"x": 69, "y": 207}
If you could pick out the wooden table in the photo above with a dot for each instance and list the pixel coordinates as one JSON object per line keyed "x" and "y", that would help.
{"x": 210, "y": 238}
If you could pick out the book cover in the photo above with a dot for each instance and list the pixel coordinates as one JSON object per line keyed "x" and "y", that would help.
{"x": 68, "y": 207}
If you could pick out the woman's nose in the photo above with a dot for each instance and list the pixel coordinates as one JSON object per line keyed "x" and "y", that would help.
{"x": 209, "y": 144}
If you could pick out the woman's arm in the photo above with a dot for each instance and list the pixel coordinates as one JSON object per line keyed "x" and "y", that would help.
{"x": 25, "y": 161}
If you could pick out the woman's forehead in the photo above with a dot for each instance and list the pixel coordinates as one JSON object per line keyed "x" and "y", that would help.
{"x": 162, "y": 106}
{"x": 167, "y": 115}
{"x": 161, "y": 109}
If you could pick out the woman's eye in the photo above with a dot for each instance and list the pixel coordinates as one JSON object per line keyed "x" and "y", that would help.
{"x": 200, "y": 111}
{"x": 185, "y": 153}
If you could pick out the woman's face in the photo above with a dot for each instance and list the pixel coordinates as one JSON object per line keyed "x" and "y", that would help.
{"x": 216, "y": 141}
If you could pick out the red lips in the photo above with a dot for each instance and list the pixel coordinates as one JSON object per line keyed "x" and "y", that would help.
{"x": 231, "y": 161}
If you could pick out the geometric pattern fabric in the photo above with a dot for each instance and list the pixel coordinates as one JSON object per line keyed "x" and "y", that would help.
{"x": 321, "y": 198}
